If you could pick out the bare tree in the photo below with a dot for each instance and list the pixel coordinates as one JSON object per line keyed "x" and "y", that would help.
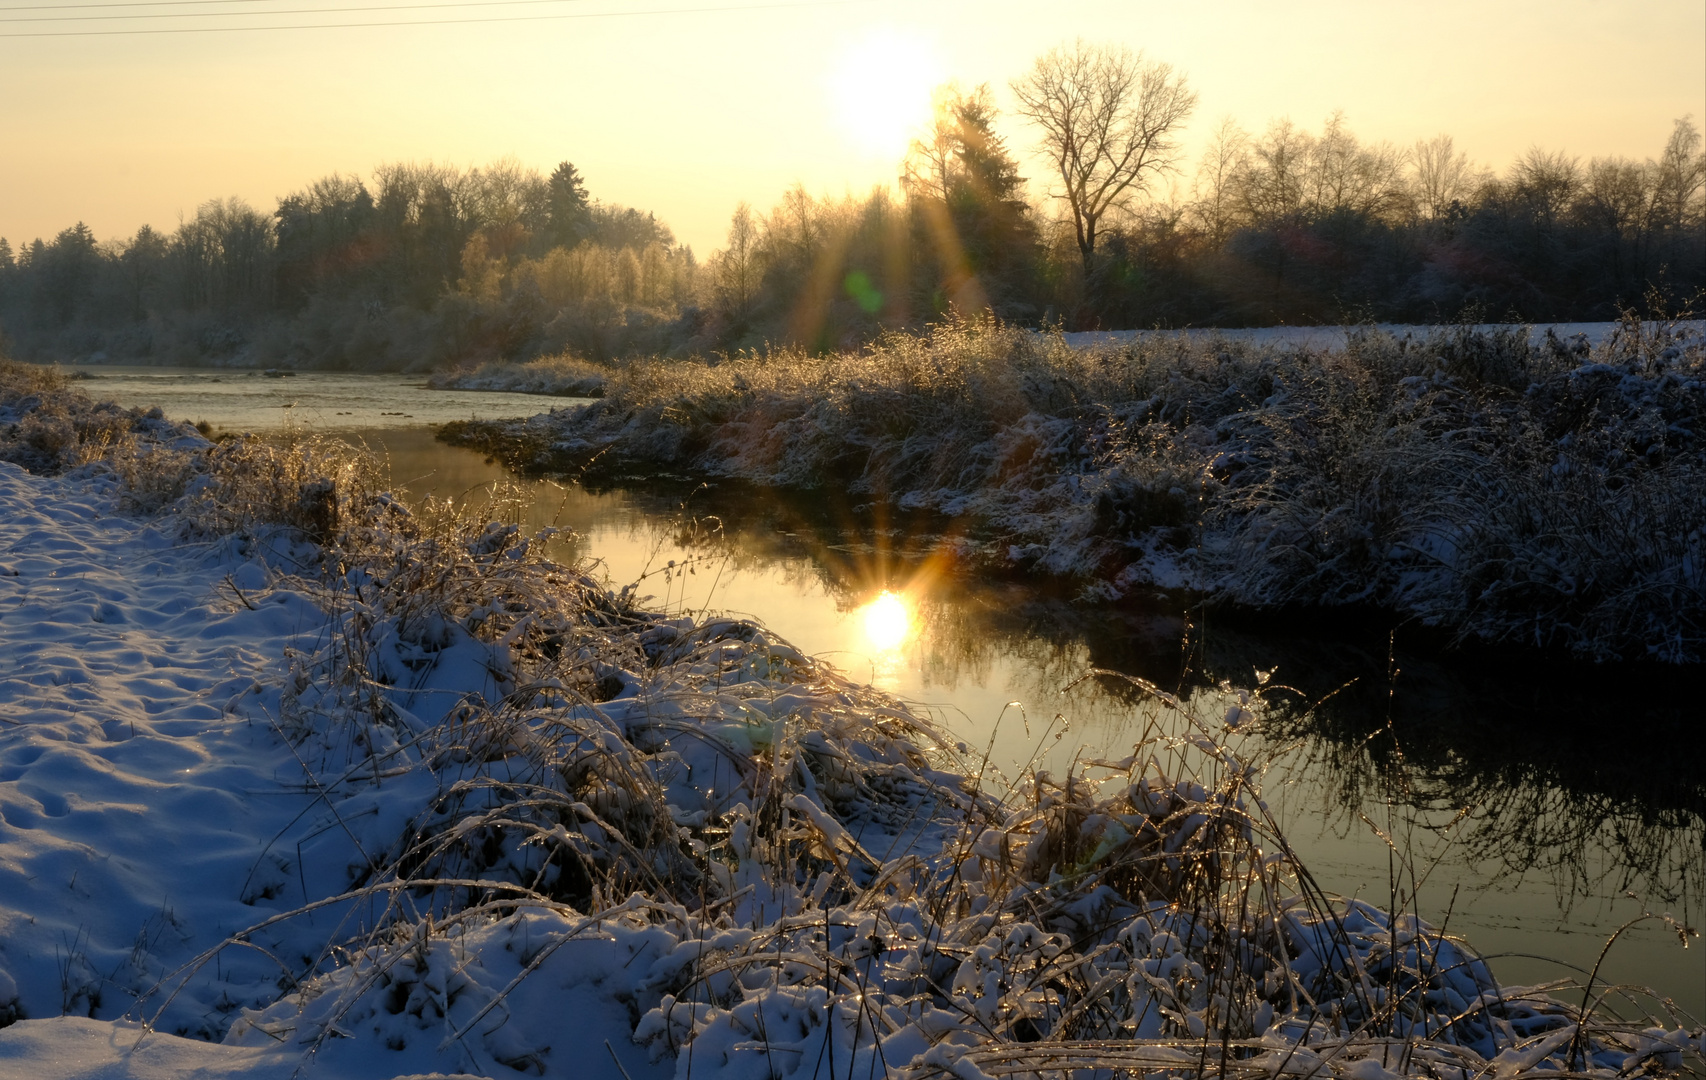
{"x": 1441, "y": 175}
{"x": 737, "y": 269}
{"x": 1680, "y": 174}
{"x": 1548, "y": 181}
{"x": 1108, "y": 119}
{"x": 1270, "y": 186}
{"x": 1227, "y": 156}
{"x": 1341, "y": 174}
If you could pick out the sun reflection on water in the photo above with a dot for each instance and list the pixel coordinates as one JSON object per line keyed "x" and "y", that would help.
{"x": 888, "y": 623}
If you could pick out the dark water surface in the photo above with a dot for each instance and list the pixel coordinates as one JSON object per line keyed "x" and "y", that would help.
{"x": 1525, "y": 803}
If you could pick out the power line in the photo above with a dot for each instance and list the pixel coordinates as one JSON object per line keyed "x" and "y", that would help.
{"x": 276, "y": 11}
{"x": 429, "y": 22}
{"x": 131, "y": 4}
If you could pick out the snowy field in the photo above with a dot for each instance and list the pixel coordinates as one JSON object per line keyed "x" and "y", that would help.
{"x": 294, "y": 781}
{"x": 134, "y": 807}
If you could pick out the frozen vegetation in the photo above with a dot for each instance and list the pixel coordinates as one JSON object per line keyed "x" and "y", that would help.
{"x": 1329, "y": 338}
{"x": 563, "y": 375}
{"x": 293, "y": 776}
{"x": 1527, "y": 490}
{"x": 558, "y": 376}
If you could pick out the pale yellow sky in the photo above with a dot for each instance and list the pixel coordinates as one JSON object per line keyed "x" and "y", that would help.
{"x": 686, "y": 114}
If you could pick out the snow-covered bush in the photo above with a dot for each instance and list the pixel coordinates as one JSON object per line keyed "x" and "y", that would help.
{"x": 47, "y": 426}
{"x": 536, "y": 797}
{"x": 1531, "y": 493}
{"x": 558, "y": 376}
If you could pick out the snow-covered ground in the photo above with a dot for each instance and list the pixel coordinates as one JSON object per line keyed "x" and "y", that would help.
{"x": 151, "y": 809}
{"x": 134, "y": 806}
{"x": 417, "y": 800}
{"x": 555, "y": 376}
{"x": 1333, "y": 338}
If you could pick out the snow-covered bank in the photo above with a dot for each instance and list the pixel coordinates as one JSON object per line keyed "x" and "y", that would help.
{"x": 132, "y": 802}
{"x": 1536, "y": 495}
{"x": 1335, "y": 338}
{"x": 402, "y": 795}
{"x": 564, "y": 376}
{"x": 555, "y": 376}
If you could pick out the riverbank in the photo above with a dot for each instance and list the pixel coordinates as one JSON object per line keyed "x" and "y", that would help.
{"x": 552, "y": 376}
{"x": 289, "y": 767}
{"x": 1498, "y": 489}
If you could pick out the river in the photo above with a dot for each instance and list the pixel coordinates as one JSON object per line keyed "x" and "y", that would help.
{"x": 1522, "y": 805}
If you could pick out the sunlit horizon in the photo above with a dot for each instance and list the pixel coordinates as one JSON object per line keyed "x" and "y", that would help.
{"x": 687, "y": 113}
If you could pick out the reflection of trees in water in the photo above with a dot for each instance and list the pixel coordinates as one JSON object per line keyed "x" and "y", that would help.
{"x": 1594, "y": 786}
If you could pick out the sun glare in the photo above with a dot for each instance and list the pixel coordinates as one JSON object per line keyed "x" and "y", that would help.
{"x": 887, "y": 622}
{"x": 880, "y": 89}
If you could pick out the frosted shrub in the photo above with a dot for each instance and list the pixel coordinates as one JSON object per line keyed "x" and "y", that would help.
{"x": 1505, "y": 490}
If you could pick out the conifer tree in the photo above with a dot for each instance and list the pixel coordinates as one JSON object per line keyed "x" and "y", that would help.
{"x": 569, "y": 208}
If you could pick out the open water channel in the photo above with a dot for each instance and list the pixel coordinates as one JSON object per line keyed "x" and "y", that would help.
{"x": 1532, "y": 812}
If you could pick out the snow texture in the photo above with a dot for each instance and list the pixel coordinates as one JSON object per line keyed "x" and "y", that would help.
{"x": 416, "y": 801}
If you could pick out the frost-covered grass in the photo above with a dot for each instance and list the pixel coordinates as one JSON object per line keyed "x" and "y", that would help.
{"x": 478, "y": 813}
{"x": 47, "y": 427}
{"x": 1525, "y": 491}
{"x": 558, "y": 376}
{"x": 548, "y": 799}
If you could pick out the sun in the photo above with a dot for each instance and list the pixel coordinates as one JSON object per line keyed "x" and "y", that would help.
{"x": 880, "y": 88}
{"x": 887, "y": 621}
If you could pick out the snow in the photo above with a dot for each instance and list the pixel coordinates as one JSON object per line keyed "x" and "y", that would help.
{"x": 140, "y": 785}
{"x": 77, "y": 1048}
{"x": 552, "y": 376}
{"x": 266, "y": 812}
{"x": 132, "y": 806}
{"x": 1332, "y": 338}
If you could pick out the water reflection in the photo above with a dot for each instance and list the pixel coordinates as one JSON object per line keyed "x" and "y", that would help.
{"x": 1517, "y": 768}
{"x": 1595, "y": 792}
{"x": 1526, "y": 802}
{"x": 887, "y": 622}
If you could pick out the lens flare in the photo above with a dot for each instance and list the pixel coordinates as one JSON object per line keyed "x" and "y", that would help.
{"x": 887, "y": 622}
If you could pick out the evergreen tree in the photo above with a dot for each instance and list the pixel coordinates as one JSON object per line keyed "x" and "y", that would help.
{"x": 968, "y": 205}
{"x": 987, "y": 204}
{"x": 144, "y": 269}
{"x": 568, "y": 209}
{"x": 66, "y": 273}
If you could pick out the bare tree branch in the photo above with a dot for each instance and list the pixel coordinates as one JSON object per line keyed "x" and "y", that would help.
{"x": 1108, "y": 119}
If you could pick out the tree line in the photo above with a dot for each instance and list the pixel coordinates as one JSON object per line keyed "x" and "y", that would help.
{"x": 427, "y": 265}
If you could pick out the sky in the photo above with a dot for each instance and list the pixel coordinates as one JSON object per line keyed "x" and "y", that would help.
{"x": 688, "y": 107}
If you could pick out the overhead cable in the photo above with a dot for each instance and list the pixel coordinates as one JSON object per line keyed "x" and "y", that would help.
{"x": 275, "y": 11}
{"x": 426, "y": 22}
